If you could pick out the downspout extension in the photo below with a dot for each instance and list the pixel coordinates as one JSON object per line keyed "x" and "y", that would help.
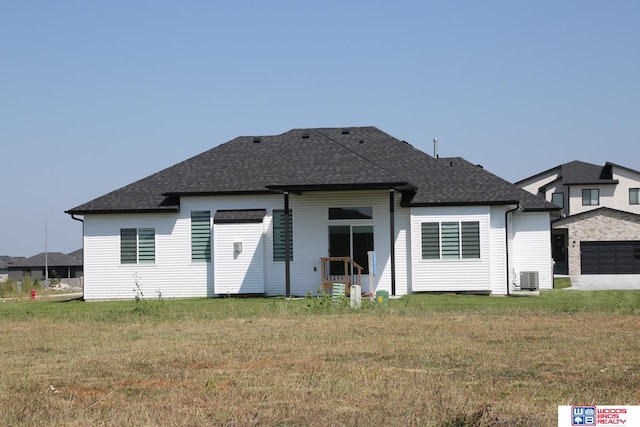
{"x": 506, "y": 241}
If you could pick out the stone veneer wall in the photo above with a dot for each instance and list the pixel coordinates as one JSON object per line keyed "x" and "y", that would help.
{"x": 598, "y": 226}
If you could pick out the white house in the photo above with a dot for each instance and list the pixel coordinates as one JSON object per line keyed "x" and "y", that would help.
{"x": 261, "y": 215}
{"x": 599, "y": 232}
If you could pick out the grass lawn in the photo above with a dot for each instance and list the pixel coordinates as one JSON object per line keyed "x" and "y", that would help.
{"x": 422, "y": 360}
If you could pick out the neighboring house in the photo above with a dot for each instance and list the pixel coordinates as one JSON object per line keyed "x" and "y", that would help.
{"x": 58, "y": 264}
{"x": 600, "y": 229}
{"x": 4, "y": 271}
{"x": 260, "y": 215}
{"x": 6, "y": 263}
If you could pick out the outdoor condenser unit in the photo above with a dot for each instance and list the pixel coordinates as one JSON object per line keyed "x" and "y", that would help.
{"x": 529, "y": 280}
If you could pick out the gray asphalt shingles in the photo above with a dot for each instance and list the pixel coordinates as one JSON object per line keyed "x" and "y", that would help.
{"x": 329, "y": 158}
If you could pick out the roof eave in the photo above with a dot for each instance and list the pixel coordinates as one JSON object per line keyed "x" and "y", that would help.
{"x": 341, "y": 187}
{"x": 122, "y": 211}
{"x": 214, "y": 193}
{"x": 607, "y": 182}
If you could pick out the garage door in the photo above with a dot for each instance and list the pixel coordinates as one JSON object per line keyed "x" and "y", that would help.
{"x": 619, "y": 257}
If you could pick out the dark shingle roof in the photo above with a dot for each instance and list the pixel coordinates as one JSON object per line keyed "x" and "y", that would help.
{"x": 577, "y": 172}
{"x": 77, "y": 254}
{"x": 11, "y": 260}
{"x": 54, "y": 259}
{"x": 316, "y": 159}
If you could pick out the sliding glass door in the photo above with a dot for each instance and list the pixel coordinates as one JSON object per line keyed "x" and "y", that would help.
{"x": 352, "y": 241}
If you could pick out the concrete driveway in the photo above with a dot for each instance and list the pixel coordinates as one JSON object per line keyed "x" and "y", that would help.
{"x": 599, "y": 282}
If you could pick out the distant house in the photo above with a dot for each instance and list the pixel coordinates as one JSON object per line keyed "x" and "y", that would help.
{"x": 59, "y": 266}
{"x": 4, "y": 271}
{"x": 6, "y": 263}
{"x": 282, "y": 215}
{"x": 600, "y": 229}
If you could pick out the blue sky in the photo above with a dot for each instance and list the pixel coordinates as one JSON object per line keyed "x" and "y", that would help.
{"x": 96, "y": 95}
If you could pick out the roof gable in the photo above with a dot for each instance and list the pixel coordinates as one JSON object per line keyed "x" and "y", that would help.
{"x": 601, "y": 211}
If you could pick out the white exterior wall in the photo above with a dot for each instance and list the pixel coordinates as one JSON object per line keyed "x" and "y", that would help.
{"x": 575, "y": 195}
{"x": 626, "y": 180}
{"x": 531, "y": 247}
{"x": 429, "y": 275}
{"x": 311, "y": 238}
{"x": 497, "y": 250}
{"x": 243, "y": 271}
{"x": 174, "y": 275}
{"x": 402, "y": 251}
{"x": 533, "y": 186}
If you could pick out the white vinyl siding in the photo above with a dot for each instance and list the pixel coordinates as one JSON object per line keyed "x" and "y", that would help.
{"x": 456, "y": 273}
{"x": 239, "y": 271}
{"x": 531, "y": 247}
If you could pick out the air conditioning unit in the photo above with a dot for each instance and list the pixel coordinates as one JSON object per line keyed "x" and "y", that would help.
{"x": 529, "y": 280}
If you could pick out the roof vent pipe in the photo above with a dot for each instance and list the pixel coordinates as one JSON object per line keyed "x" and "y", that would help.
{"x": 435, "y": 147}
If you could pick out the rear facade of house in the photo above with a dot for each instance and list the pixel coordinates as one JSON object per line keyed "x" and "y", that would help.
{"x": 217, "y": 224}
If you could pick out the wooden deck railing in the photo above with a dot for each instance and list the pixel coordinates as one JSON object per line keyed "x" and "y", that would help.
{"x": 347, "y": 272}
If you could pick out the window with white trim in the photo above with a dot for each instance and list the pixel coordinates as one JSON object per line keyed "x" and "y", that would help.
{"x": 201, "y": 236}
{"x": 137, "y": 245}
{"x": 450, "y": 240}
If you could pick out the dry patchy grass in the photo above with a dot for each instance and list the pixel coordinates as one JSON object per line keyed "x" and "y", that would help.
{"x": 290, "y": 369}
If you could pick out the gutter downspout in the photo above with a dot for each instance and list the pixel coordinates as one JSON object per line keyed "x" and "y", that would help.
{"x": 287, "y": 249}
{"x": 82, "y": 221}
{"x": 506, "y": 240}
{"x": 392, "y": 231}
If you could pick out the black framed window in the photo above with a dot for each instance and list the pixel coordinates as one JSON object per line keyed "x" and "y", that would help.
{"x": 634, "y": 196}
{"x": 590, "y": 197}
{"x": 351, "y": 213}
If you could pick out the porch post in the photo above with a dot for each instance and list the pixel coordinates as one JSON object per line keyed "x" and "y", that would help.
{"x": 287, "y": 244}
{"x": 392, "y": 233}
